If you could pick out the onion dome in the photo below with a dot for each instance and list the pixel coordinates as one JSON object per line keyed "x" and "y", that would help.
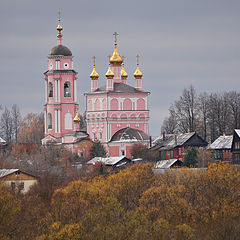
{"x": 116, "y": 58}
{"x": 76, "y": 118}
{"x": 60, "y": 50}
{"x": 138, "y": 74}
{"x": 109, "y": 74}
{"x": 94, "y": 74}
{"x": 124, "y": 75}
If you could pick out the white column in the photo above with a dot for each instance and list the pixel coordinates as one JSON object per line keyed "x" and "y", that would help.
{"x": 75, "y": 91}
{"x": 46, "y": 91}
{"x": 59, "y": 122}
{"x": 56, "y": 121}
{"x": 56, "y": 91}
{"x": 45, "y": 121}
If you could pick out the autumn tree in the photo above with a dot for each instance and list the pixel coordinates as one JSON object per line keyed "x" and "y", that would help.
{"x": 31, "y": 128}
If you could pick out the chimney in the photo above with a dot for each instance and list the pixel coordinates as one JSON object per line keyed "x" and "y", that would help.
{"x": 224, "y": 135}
{"x": 175, "y": 139}
{"x": 150, "y": 141}
{"x": 164, "y": 136}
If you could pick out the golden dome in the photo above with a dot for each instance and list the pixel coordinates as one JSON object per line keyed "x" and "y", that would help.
{"x": 116, "y": 58}
{"x": 59, "y": 27}
{"x": 138, "y": 74}
{"x": 76, "y": 119}
{"x": 124, "y": 75}
{"x": 94, "y": 74}
{"x": 109, "y": 74}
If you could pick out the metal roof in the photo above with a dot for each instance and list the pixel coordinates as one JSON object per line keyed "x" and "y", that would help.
{"x": 169, "y": 141}
{"x": 106, "y": 161}
{"x": 2, "y": 141}
{"x": 164, "y": 164}
{"x": 222, "y": 142}
{"x": 5, "y": 172}
{"x": 237, "y": 132}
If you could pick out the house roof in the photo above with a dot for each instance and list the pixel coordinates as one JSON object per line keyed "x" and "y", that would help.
{"x": 2, "y": 141}
{"x": 6, "y": 172}
{"x": 164, "y": 164}
{"x": 237, "y": 131}
{"x": 222, "y": 142}
{"x": 107, "y": 161}
{"x": 120, "y": 88}
{"x": 169, "y": 141}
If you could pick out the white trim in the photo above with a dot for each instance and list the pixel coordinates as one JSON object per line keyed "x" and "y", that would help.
{"x": 46, "y": 91}
{"x": 56, "y": 121}
{"x": 59, "y": 122}
{"x": 56, "y": 90}
{"x": 75, "y": 90}
{"x": 45, "y": 120}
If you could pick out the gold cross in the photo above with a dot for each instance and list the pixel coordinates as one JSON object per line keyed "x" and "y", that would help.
{"x": 137, "y": 60}
{"x": 115, "y": 37}
{"x": 94, "y": 60}
{"x": 59, "y": 16}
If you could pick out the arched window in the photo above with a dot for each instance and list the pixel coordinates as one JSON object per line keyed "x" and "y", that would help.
{"x": 67, "y": 89}
{"x": 133, "y": 116}
{"x": 114, "y": 116}
{"x": 141, "y": 116}
{"x": 89, "y": 105}
{"x": 140, "y": 104}
{"x": 97, "y": 105}
{"x": 114, "y": 104}
{"x": 68, "y": 121}
{"x": 123, "y": 116}
{"x": 127, "y": 104}
{"x": 50, "y": 89}
{"x": 49, "y": 121}
{"x": 104, "y": 104}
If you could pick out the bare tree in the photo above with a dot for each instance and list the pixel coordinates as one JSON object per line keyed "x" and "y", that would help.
{"x": 170, "y": 124}
{"x": 6, "y": 125}
{"x": 16, "y": 119}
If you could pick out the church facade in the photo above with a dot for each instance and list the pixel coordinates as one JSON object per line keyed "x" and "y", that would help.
{"x": 117, "y": 114}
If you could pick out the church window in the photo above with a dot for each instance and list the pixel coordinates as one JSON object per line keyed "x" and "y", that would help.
{"x": 104, "y": 104}
{"x": 89, "y": 105}
{"x": 114, "y": 104}
{"x": 50, "y": 89}
{"x": 66, "y": 65}
{"x": 142, "y": 116}
{"x": 123, "y": 116}
{"x": 94, "y": 136}
{"x": 123, "y": 153}
{"x": 67, "y": 89}
{"x": 57, "y": 65}
{"x": 97, "y": 105}
{"x": 100, "y": 135}
{"x": 127, "y": 104}
{"x": 140, "y": 104}
{"x": 68, "y": 121}
{"x": 49, "y": 121}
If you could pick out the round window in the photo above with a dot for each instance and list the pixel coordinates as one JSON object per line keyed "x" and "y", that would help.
{"x": 66, "y": 65}
{"x": 50, "y": 66}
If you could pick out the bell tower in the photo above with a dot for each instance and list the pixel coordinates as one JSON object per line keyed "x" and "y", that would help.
{"x": 60, "y": 90}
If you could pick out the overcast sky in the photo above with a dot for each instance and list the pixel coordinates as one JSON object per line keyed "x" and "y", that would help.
{"x": 180, "y": 42}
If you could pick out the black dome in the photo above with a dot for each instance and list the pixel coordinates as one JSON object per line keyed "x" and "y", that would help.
{"x": 130, "y": 134}
{"x": 60, "y": 50}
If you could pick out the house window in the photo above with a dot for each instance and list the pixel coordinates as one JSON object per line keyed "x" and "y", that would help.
{"x": 13, "y": 185}
{"x": 179, "y": 151}
{"x": 49, "y": 121}
{"x": 171, "y": 153}
{"x": 50, "y": 90}
{"x": 67, "y": 89}
{"x": 123, "y": 153}
{"x": 21, "y": 186}
{"x": 237, "y": 145}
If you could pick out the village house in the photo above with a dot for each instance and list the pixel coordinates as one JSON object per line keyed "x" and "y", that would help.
{"x": 236, "y": 147}
{"x": 17, "y": 180}
{"x": 221, "y": 148}
{"x": 173, "y": 146}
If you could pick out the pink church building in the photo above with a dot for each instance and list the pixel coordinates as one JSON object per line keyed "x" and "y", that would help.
{"x": 60, "y": 109}
{"x": 117, "y": 114}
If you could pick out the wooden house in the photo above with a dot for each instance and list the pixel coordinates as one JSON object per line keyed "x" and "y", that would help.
{"x": 221, "y": 148}
{"x": 173, "y": 146}
{"x": 236, "y": 147}
{"x": 17, "y": 180}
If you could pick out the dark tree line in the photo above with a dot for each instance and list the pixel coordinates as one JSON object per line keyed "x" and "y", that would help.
{"x": 208, "y": 114}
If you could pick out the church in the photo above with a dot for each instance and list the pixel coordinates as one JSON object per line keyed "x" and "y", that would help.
{"x": 117, "y": 114}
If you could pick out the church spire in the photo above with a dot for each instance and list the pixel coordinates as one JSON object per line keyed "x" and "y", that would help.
{"x": 116, "y": 58}
{"x": 59, "y": 28}
{"x": 94, "y": 74}
{"x": 138, "y": 74}
{"x": 124, "y": 75}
